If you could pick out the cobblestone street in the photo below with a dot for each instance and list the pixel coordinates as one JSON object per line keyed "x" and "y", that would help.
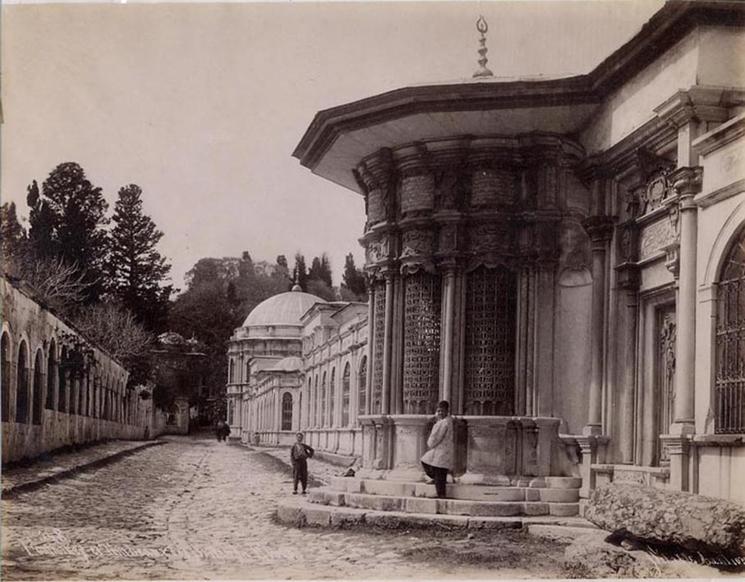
{"x": 195, "y": 508}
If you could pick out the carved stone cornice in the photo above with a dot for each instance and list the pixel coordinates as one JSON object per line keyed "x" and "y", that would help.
{"x": 695, "y": 104}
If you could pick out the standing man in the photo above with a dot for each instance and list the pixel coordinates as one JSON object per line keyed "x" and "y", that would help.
{"x": 299, "y": 454}
{"x": 439, "y": 459}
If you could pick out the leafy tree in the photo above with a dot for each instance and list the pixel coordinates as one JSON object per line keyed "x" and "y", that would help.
{"x": 13, "y": 239}
{"x": 42, "y": 224}
{"x": 320, "y": 269}
{"x": 353, "y": 280}
{"x": 300, "y": 272}
{"x": 118, "y": 332}
{"x": 66, "y": 221}
{"x": 136, "y": 270}
{"x": 320, "y": 289}
{"x": 281, "y": 274}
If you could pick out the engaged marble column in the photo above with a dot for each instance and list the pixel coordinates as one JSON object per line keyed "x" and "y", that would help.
{"x": 387, "y": 344}
{"x": 447, "y": 334}
{"x": 600, "y": 229}
{"x": 687, "y": 182}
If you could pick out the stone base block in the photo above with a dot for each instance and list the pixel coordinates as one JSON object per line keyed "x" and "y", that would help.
{"x": 476, "y": 508}
{"x": 535, "y": 508}
{"x": 419, "y": 505}
{"x": 563, "y": 482}
{"x": 390, "y": 488}
{"x": 291, "y": 514}
{"x": 470, "y": 478}
{"x": 350, "y": 484}
{"x": 375, "y": 502}
{"x": 411, "y": 475}
{"x": 559, "y": 495}
{"x": 347, "y": 518}
{"x": 564, "y": 509}
{"x": 317, "y": 517}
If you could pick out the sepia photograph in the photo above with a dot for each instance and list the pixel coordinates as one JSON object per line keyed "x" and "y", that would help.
{"x": 350, "y": 290}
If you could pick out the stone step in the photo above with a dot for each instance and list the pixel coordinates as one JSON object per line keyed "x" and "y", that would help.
{"x": 412, "y": 504}
{"x": 555, "y": 489}
{"x": 300, "y": 512}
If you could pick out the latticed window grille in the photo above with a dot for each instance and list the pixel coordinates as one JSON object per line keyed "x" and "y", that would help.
{"x": 490, "y": 342}
{"x": 729, "y": 390}
{"x": 378, "y": 343}
{"x": 287, "y": 411}
{"x": 362, "y": 386}
{"x": 422, "y": 313}
{"x": 345, "y": 388}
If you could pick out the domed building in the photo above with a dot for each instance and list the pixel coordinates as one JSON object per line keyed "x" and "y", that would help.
{"x": 270, "y": 335}
{"x": 300, "y": 363}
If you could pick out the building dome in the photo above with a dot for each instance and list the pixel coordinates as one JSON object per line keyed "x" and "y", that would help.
{"x": 282, "y": 309}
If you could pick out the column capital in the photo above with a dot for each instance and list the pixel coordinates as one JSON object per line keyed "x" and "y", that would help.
{"x": 687, "y": 183}
{"x": 599, "y": 228}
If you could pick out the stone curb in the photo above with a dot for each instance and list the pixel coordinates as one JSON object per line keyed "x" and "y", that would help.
{"x": 301, "y": 513}
{"x": 8, "y": 492}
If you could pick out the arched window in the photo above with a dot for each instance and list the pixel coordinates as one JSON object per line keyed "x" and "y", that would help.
{"x": 51, "y": 375}
{"x": 362, "y": 386}
{"x": 332, "y": 397}
{"x": 287, "y": 411}
{"x": 22, "y": 384}
{"x": 231, "y": 371}
{"x": 38, "y": 387}
{"x": 5, "y": 363}
{"x": 345, "y": 396}
{"x": 62, "y": 375}
{"x": 324, "y": 399}
{"x": 308, "y": 400}
{"x": 729, "y": 390}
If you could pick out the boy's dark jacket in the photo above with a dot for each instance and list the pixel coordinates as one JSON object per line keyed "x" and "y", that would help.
{"x": 301, "y": 451}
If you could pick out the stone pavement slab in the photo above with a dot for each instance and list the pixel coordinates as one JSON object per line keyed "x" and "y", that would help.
{"x": 53, "y": 466}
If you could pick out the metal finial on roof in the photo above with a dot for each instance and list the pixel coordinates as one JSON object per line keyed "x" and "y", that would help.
{"x": 482, "y": 71}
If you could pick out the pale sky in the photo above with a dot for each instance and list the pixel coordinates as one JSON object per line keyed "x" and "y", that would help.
{"x": 202, "y": 104}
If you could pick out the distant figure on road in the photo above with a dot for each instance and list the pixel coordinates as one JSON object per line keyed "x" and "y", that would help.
{"x": 439, "y": 459}
{"x": 222, "y": 430}
{"x": 299, "y": 454}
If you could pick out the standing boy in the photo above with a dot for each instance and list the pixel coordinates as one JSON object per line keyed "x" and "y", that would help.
{"x": 299, "y": 455}
{"x": 438, "y": 460}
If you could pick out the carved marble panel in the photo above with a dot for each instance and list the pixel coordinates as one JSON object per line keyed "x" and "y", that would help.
{"x": 655, "y": 237}
{"x": 492, "y": 187}
{"x": 376, "y": 206}
{"x": 490, "y": 238}
{"x": 416, "y": 243}
{"x": 378, "y": 250}
{"x": 448, "y": 239}
{"x": 417, "y": 193}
